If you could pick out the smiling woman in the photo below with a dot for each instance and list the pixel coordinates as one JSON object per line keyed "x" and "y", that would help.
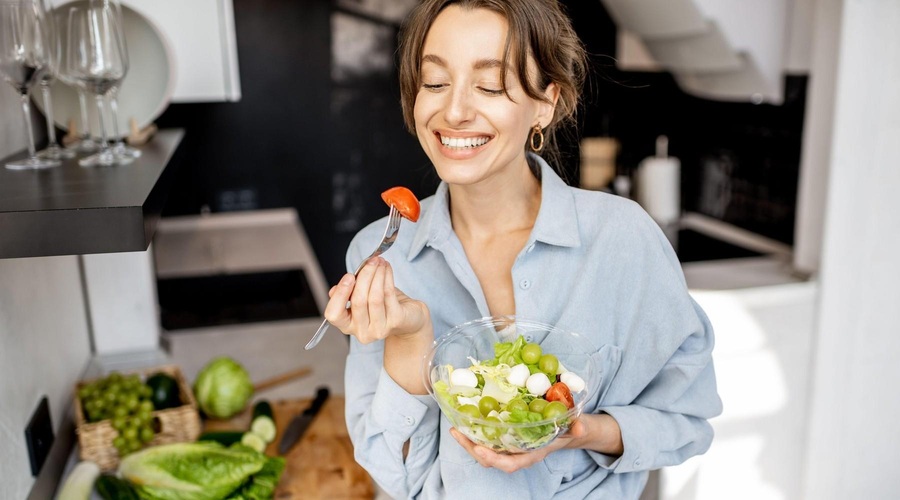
{"x": 484, "y": 86}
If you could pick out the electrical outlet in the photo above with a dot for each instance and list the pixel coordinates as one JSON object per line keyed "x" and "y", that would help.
{"x": 39, "y": 436}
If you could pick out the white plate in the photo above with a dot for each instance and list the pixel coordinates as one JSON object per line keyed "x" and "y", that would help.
{"x": 147, "y": 89}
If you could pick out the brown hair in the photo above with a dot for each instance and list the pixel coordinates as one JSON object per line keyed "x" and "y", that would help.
{"x": 539, "y": 28}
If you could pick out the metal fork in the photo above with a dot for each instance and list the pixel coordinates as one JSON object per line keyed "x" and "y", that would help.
{"x": 390, "y": 235}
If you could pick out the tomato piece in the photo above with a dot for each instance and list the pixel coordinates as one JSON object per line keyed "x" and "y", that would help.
{"x": 560, "y": 392}
{"x": 405, "y": 201}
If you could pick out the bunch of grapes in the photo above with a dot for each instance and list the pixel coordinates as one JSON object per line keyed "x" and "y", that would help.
{"x": 125, "y": 401}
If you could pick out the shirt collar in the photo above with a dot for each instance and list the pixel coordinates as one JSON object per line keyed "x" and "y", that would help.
{"x": 556, "y": 222}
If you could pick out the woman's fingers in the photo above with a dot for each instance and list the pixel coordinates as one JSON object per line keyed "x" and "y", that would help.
{"x": 376, "y": 312}
{"x": 336, "y": 309}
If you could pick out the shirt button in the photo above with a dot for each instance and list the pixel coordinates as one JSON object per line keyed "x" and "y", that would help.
{"x": 410, "y": 421}
{"x": 637, "y": 463}
{"x": 524, "y": 284}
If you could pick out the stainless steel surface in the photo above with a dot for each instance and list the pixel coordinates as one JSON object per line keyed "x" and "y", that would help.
{"x": 298, "y": 425}
{"x": 390, "y": 234}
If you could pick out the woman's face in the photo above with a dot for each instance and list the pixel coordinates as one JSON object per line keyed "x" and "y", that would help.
{"x": 467, "y": 126}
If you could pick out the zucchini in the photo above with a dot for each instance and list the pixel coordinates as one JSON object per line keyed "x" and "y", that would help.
{"x": 113, "y": 488}
{"x": 263, "y": 421}
{"x": 225, "y": 438}
{"x": 80, "y": 482}
{"x": 254, "y": 441}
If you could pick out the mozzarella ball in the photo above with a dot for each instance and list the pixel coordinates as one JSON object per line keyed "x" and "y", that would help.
{"x": 572, "y": 381}
{"x": 538, "y": 383}
{"x": 518, "y": 375}
{"x": 463, "y": 377}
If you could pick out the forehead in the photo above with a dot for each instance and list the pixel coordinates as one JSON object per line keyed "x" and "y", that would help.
{"x": 462, "y": 36}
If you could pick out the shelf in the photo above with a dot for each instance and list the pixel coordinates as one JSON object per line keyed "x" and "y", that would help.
{"x": 72, "y": 210}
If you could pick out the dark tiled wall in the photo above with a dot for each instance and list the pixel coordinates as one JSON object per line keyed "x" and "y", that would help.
{"x": 309, "y": 135}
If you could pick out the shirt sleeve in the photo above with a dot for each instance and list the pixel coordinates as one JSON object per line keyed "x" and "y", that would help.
{"x": 665, "y": 390}
{"x": 381, "y": 417}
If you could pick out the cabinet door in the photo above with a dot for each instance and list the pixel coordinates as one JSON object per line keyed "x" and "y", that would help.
{"x": 202, "y": 38}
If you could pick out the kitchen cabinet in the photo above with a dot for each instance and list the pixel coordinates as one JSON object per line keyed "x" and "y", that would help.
{"x": 72, "y": 210}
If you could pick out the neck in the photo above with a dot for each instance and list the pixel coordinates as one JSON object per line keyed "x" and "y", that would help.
{"x": 497, "y": 206}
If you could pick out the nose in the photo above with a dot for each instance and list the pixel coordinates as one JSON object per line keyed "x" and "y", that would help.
{"x": 459, "y": 108}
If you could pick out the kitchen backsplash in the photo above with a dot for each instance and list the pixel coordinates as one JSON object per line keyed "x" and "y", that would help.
{"x": 319, "y": 128}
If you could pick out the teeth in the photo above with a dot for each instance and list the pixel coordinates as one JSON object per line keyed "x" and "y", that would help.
{"x": 468, "y": 142}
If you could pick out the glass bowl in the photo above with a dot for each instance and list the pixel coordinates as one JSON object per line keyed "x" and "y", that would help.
{"x": 475, "y": 341}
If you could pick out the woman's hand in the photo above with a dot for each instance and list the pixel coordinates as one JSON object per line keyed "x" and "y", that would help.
{"x": 595, "y": 432}
{"x": 377, "y": 308}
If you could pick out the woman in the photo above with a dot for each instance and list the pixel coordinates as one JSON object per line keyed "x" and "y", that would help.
{"x": 484, "y": 83}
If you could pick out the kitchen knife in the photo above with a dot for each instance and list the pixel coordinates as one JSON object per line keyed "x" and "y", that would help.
{"x": 301, "y": 422}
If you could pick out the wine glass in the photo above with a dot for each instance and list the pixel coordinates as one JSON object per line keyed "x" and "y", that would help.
{"x": 85, "y": 143}
{"x": 23, "y": 54}
{"x": 94, "y": 59}
{"x": 47, "y": 75}
{"x": 119, "y": 148}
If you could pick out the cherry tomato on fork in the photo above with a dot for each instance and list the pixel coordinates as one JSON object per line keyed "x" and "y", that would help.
{"x": 405, "y": 201}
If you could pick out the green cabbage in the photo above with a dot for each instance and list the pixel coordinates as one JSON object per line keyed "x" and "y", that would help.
{"x": 223, "y": 388}
{"x": 190, "y": 471}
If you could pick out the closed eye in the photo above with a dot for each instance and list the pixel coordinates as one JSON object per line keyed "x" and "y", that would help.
{"x": 492, "y": 92}
{"x": 433, "y": 87}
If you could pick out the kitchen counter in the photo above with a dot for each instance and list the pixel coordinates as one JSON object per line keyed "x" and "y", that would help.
{"x": 73, "y": 210}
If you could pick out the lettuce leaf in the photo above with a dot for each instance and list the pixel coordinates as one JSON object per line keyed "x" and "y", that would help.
{"x": 190, "y": 471}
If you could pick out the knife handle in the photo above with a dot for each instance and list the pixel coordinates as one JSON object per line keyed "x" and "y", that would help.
{"x": 321, "y": 396}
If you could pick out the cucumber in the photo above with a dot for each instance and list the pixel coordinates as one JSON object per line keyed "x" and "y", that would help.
{"x": 263, "y": 421}
{"x": 110, "y": 487}
{"x": 264, "y": 427}
{"x": 225, "y": 438}
{"x": 263, "y": 408}
{"x": 254, "y": 441}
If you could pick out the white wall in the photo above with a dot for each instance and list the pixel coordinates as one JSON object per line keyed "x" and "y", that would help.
{"x": 852, "y": 449}
{"x": 44, "y": 346}
{"x": 44, "y": 338}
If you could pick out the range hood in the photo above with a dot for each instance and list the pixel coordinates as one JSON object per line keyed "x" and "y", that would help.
{"x": 729, "y": 50}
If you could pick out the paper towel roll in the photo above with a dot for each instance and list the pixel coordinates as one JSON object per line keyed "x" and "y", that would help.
{"x": 659, "y": 188}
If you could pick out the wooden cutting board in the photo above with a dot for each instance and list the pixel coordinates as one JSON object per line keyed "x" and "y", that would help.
{"x": 321, "y": 465}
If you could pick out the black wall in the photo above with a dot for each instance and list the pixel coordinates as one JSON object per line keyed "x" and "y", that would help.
{"x": 302, "y": 137}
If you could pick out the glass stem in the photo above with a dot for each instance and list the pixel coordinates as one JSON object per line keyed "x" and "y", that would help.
{"x": 26, "y": 112}
{"x": 114, "y": 113}
{"x": 103, "y": 145}
{"x": 85, "y": 126}
{"x": 48, "y": 113}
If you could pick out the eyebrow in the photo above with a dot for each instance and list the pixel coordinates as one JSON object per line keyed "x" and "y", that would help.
{"x": 479, "y": 64}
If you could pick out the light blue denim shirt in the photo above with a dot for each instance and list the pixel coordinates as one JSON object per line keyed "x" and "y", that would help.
{"x": 596, "y": 264}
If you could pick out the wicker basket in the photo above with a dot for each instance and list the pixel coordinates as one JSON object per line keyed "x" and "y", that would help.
{"x": 176, "y": 425}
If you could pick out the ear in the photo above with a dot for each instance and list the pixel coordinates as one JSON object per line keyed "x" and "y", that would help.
{"x": 546, "y": 109}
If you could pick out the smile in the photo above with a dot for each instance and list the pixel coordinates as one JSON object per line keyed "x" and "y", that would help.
{"x": 464, "y": 143}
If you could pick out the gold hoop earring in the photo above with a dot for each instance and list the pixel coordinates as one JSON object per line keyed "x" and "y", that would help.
{"x": 536, "y": 141}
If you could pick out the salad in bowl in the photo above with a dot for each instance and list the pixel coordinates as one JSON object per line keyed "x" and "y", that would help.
{"x": 511, "y": 384}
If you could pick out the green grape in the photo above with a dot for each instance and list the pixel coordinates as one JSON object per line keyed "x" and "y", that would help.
{"x": 131, "y": 402}
{"x": 144, "y": 416}
{"x": 119, "y": 442}
{"x": 492, "y": 431}
{"x": 470, "y": 411}
{"x": 146, "y": 405}
{"x": 488, "y": 404}
{"x": 531, "y": 353}
{"x": 130, "y": 433}
{"x": 554, "y": 409}
{"x": 517, "y": 404}
{"x": 146, "y": 434}
{"x": 549, "y": 364}
{"x": 119, "y": 423}
{"x": 538, "y": 405}
{"x": 120, "y": 411}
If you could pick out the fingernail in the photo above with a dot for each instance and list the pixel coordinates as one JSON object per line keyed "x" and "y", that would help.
{"x": 347, "y": 280}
